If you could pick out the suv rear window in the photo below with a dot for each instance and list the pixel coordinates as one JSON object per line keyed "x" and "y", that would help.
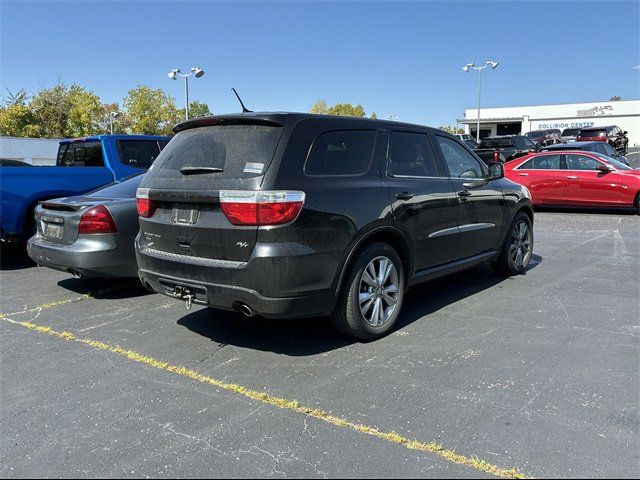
{"x": 239, "y": 150}
{"x": 496, "y": 142}
{"x": 80, "y": 154}
{"x": 342, "y": 152}
{"x": 139, "y": 153}
{"x": 536, "y": 134}
{"x": 592, "y": 133}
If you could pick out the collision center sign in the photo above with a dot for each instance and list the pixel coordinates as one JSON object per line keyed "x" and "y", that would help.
{"x": 561, "y": 124}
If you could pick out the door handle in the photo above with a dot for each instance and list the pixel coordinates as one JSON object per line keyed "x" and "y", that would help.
{"x": 571, "y": 177}
{"x": 523, "y": 174}
{"x": 464, "y": 194}
{"x": 404, "y": 196}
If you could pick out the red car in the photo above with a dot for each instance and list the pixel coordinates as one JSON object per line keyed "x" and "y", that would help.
{"x": 576, "y": 178}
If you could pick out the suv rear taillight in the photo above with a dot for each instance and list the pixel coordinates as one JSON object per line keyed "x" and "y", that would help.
{"x": 261, "y": 208}
{"x": 496, "y": 155}
{"x": 146, "y": 207}
{"x": 97, "y": 220}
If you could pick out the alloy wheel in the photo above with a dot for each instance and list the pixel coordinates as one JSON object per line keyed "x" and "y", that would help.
{"x": 378, "y": 292}
{"x": 520, "y": 247}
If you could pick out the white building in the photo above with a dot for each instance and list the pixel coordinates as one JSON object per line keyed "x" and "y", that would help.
{"x": 515, "y": 120}
{"x": 36, "y": 151}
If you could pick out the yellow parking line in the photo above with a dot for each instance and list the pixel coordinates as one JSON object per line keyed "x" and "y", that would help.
{"x": 282, "y": 403}
{"x": 45, "y": 306}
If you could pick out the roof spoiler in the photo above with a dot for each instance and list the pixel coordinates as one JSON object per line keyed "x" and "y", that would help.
{"x": 211, "y": 121}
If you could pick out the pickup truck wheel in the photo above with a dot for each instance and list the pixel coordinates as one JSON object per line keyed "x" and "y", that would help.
{"x": 518, "y": 247}
{"x": 372, "y": 294}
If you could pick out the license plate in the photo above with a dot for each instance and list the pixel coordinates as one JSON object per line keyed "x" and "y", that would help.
{"x": 188, "y": 216}
{"x": 53, "y": 230}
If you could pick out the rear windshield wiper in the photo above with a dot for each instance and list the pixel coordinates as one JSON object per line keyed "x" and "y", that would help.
{"x": 199, "y": 170}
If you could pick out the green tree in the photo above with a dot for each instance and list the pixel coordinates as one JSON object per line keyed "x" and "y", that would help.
{"x": 451, "y": 129}
{"x": 150, "y": 111}
{"x": 198, "y": 109}
{"x": 50, "y": 108}
{"x": 615, "y": 98}
{"x": 18, "y": 121}
{"x": 62, "y": 111}
{"x": 86, "y": 113}
{"x": 320, "y": 108}
{"x": 341, "y": 109}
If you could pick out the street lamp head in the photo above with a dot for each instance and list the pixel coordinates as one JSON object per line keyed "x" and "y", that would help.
{"x": 468, "y": 67}
{"x": 197, "y": 71}
{"x": 173, "y": 74}
{"x": 115, "y": 114}
{"x": 493, "y": 64}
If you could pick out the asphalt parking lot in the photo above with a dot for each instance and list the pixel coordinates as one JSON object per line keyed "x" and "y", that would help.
{"x": 537, "y": 373}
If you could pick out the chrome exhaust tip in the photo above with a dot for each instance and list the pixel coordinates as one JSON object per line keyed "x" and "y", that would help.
{"x": 247, "y": 311}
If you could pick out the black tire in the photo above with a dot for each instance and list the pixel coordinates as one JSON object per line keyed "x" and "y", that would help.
{"x": 505, "y": 264}
{"x": 638, "y": 203}
{"x": 347, "y": 316}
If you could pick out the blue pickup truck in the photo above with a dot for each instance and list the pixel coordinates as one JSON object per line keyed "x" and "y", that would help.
{"x": 83, "y": 164}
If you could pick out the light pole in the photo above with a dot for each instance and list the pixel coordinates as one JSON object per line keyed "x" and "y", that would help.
{"x": 466, "y": 68}
{"x": 112, "y": 117}
{"x": 173, "y": 75}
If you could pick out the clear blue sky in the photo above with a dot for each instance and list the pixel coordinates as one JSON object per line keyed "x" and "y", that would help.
{"x": 395, "y": 58}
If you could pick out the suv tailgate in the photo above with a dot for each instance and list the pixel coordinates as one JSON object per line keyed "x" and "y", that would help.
{"x": 185, "y": 182}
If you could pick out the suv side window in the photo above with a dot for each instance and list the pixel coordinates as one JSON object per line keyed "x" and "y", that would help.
{"x": 460, "y": 162}
{"x": 138, "y": 153}
{"x": 543, "y": 162}
{"x": 581, "y": 162}
{"x": 411, "y": 155}
{"x": 81, "y": 154}
{"x": 341, "y": 152}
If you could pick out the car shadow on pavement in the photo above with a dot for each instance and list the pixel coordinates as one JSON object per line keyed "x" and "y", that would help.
{"x": 599, "y": 211}
{"x": 312, "y": 336}
{"x": 105, "y": 288}
{"x": 14, "y": 257}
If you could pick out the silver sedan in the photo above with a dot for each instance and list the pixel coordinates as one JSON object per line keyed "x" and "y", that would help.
{"x": 89, "y": 235}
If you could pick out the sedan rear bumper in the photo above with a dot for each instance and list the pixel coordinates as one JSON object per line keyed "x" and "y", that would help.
{"x": 101, "y": 255}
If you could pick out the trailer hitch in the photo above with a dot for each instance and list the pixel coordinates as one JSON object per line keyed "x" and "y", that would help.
{"x": 184, "y": 294}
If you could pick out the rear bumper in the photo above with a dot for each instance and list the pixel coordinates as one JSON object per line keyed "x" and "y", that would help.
{"x": 278, "y": 281}
{"x": 227, "y": 297}
{"x": 103, "y": 255}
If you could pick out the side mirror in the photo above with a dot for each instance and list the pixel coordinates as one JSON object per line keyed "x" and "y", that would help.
{"x": 605, "y": 168}
{"x": 496, "y": 170}
{"x": 625, "y": 132}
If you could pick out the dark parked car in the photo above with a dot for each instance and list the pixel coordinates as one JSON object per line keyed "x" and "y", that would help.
{"x": 598, "y": 147}
{"x": 613, "y": 135}
{"x": 300, "y": 215}
{"x": 504, "y": 148}
{"x": 545, "y": 137}
{"x": 90, "y": 235}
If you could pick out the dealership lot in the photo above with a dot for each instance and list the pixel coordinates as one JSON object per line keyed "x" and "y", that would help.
{"x": 537, "y": 372}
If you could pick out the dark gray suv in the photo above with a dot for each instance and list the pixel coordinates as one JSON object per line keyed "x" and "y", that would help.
{"x": 299, "y": 215}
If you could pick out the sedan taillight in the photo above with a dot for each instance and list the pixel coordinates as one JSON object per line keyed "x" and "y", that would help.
{"x": 97, "y": 220}
{"x": 146, "y": 207}
{"x": 261, "y": 208}
{"x": 496, "y": 155}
